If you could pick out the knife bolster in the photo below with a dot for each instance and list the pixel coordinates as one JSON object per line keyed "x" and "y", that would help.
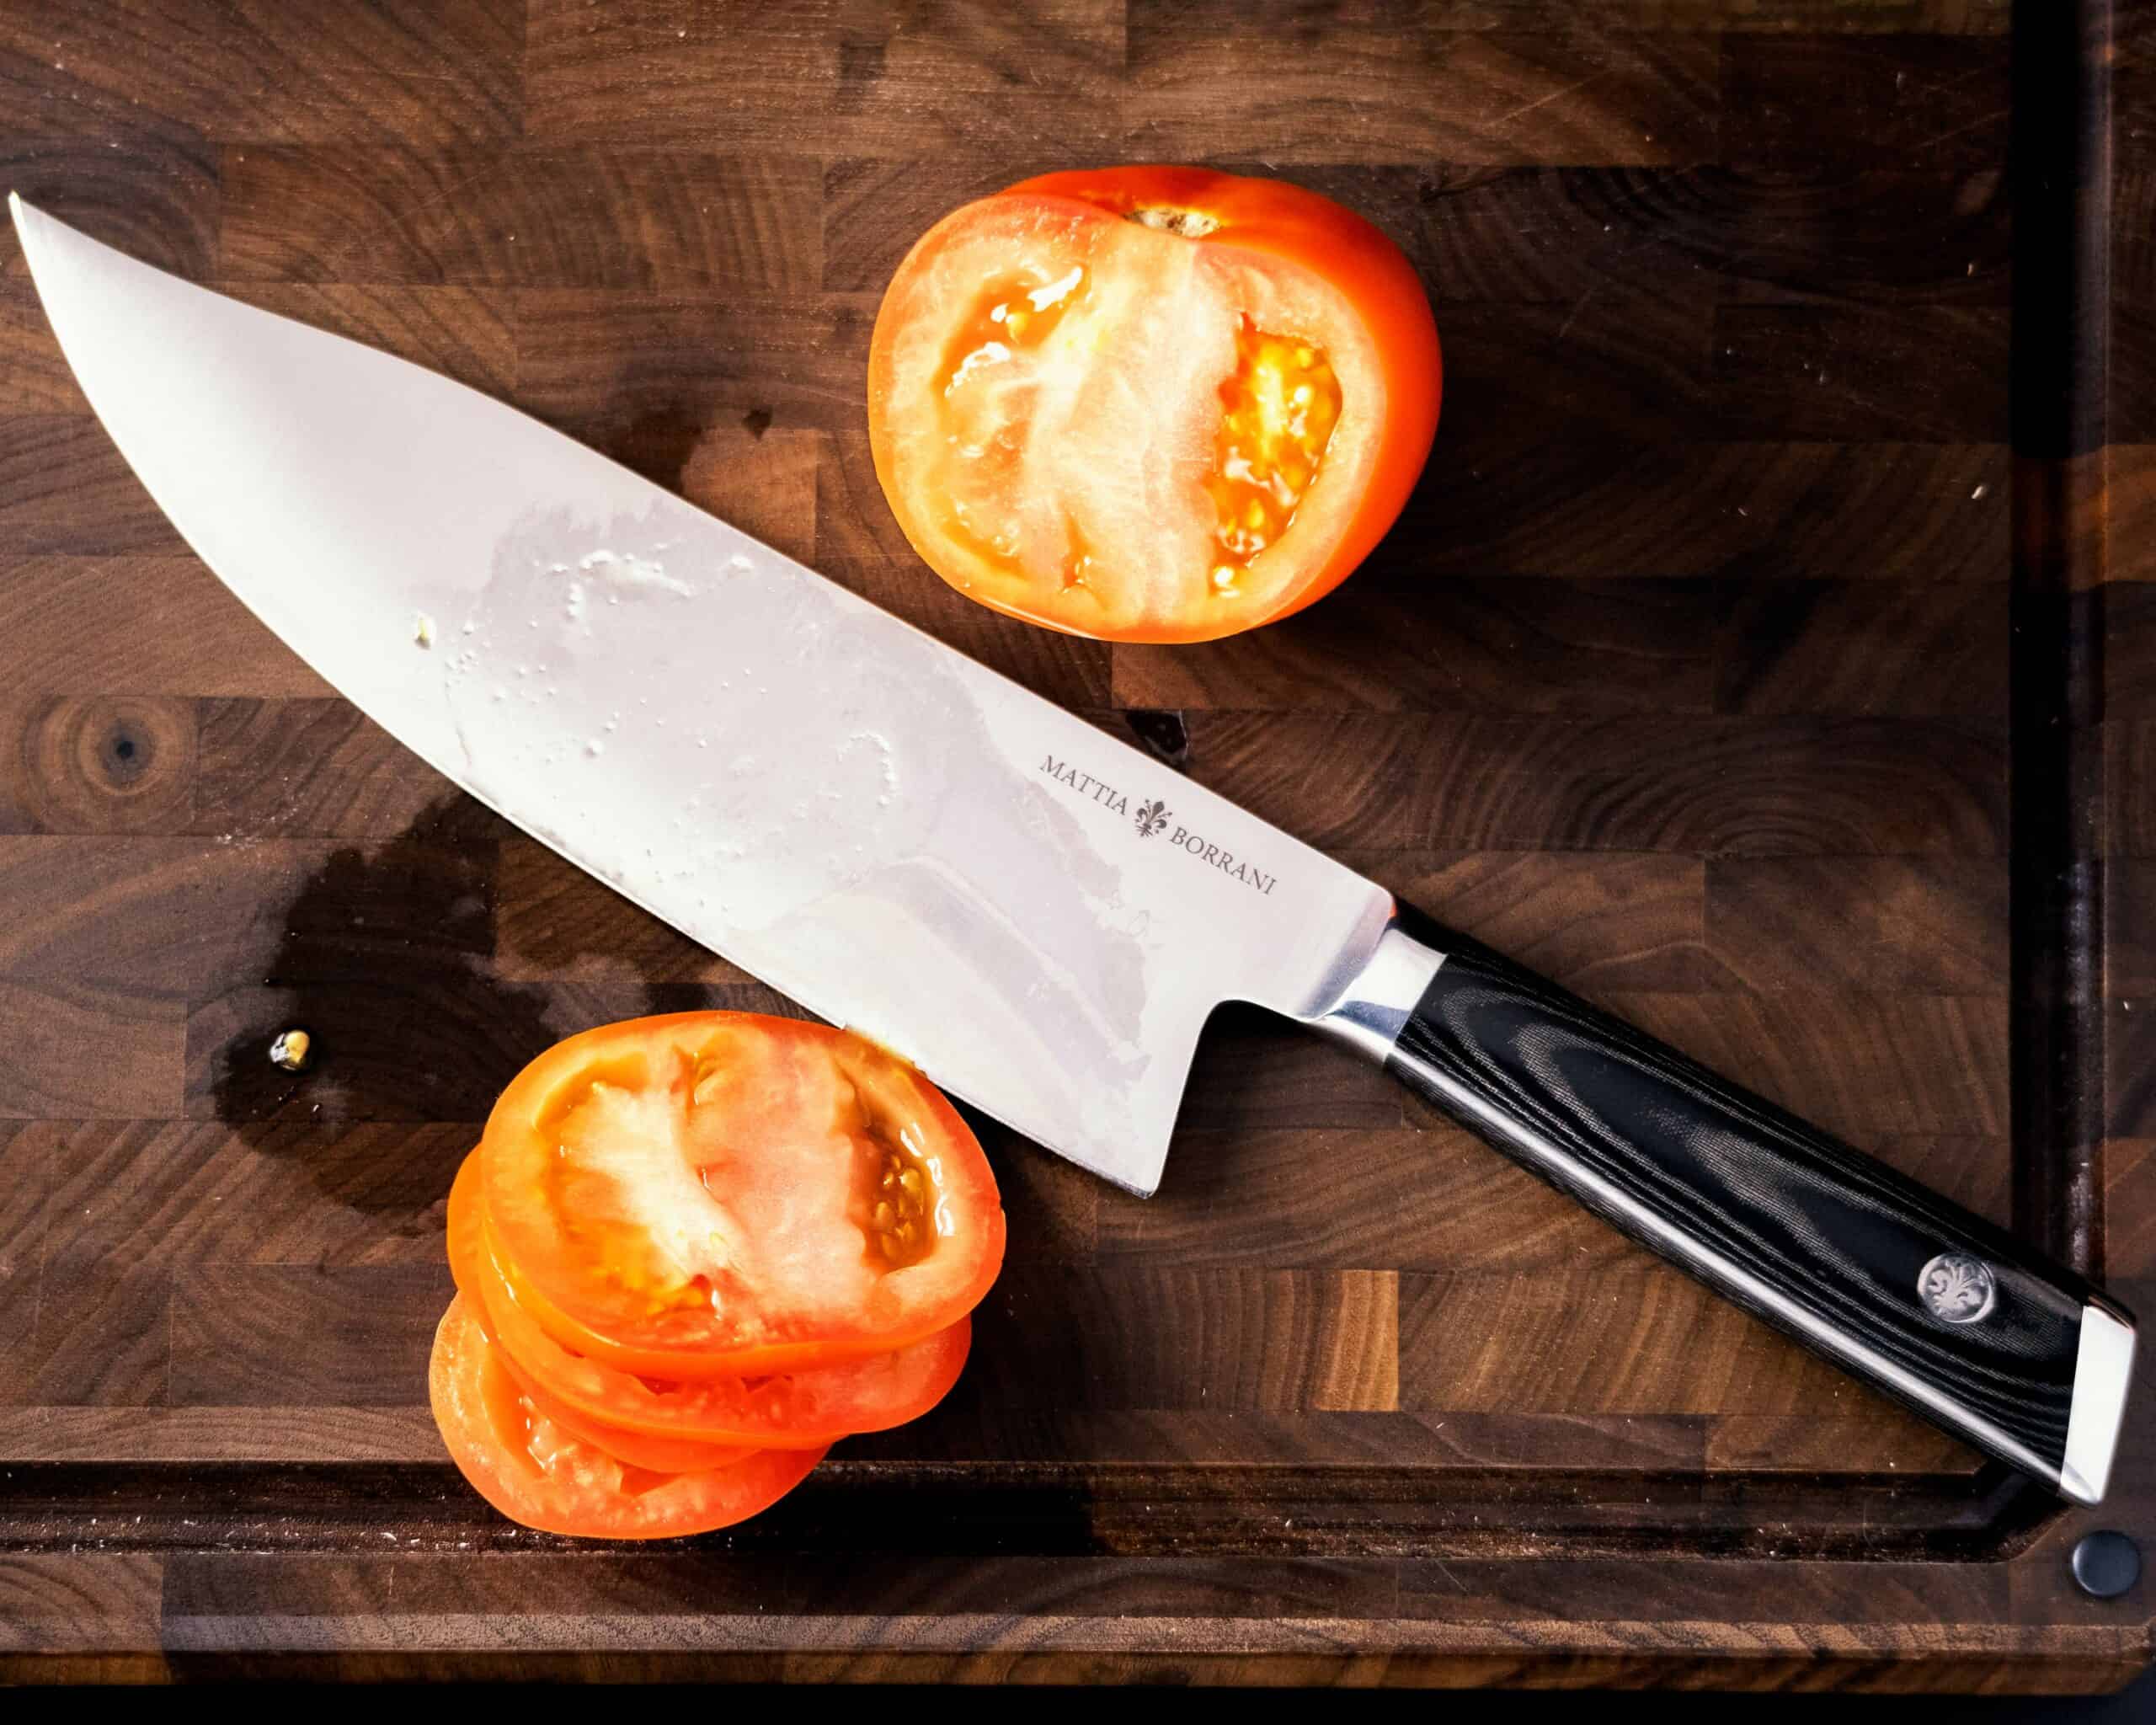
{"x": 1376, "y": 1002}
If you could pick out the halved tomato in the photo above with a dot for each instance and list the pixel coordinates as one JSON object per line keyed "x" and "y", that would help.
{"x": 795, "y": 1410}
{"x": 722, "y": 1194}
{"x": 535, "y": 1472}
{"x": 1151, "y": 404}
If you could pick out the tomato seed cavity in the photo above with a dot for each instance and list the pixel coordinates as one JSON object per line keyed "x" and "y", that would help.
{"x": 1279, "y": 413}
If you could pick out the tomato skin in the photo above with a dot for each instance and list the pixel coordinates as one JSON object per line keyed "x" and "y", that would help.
{"x": 625, "y": 1415}
{"x": 645, "y": 1449}
{"x": 657, "y": 1453}
{"x": 564, "y": 1295}
{"x": 580, "y": 1491}
{"x": 1269, "y": 219}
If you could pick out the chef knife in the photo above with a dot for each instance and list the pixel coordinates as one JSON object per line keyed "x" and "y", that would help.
{"x": 907, "y": 843}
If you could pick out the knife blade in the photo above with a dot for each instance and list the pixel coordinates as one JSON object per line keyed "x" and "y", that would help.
{"x": 1039, "y": 915}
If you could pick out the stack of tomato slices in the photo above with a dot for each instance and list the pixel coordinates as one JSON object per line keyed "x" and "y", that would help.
{"x": 691, "y": 1252}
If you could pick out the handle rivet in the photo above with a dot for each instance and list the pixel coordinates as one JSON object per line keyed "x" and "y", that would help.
{"x": 2106, "y": 1564}
{"x": 1957, "y": 1288}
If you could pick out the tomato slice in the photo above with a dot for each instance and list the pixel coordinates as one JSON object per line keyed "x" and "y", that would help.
{"x": 1151, "y": 404}
{"x": 537, "y": 1474}
{"x": 651, "y": 1451}
{"x": 724, "y": 1194}
{"x": 645, "y": 1449}
{"x": 797, "y": 1410}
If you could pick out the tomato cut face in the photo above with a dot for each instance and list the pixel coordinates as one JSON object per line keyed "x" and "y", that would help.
{"x": 714, "y": 1194}
{"x": 1150, "y": 403}
{"x": 535, "y": 1472}
{"x": 801, "y": 1409}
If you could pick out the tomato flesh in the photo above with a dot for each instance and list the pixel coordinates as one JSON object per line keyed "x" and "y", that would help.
{"x": 1150, "y": 404}
{"x": 646, "y": 1449}
{"x": 537, "y": 1472}
{"x": 793, "y": 1410}
{"x": 722, "y": 1194}
{"x": 1279, "y": 407}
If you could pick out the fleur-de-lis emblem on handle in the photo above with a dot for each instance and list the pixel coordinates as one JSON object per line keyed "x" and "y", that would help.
{"x": 1151, "y": 818}
{"x": 1957, "y": 1288}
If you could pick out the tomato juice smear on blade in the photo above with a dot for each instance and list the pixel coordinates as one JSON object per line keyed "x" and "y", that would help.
{"x": 1151, "y": 405}
{"x": 813, "y": 1406}
{"x": 711, "y": 1194}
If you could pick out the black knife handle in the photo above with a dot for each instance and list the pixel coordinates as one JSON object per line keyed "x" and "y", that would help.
{"x": 1935, "y": 1306}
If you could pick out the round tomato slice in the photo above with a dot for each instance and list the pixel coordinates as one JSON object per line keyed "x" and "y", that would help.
{"x": 1151, "y": 404}
{"x": 654, "y": 1454}
{"x": 645, "y": 1449}
{"x": 722, "y": 1194}
{"x": 795, "y": 1410}
{"x": 537, "y": 1474}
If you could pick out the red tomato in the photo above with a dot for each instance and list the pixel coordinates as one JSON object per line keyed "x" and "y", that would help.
{"x": 1151, "y": 404}
{"x": 536, "y": 1473}
{"x": 720, "y": 1195}
{"x": 796, "y": 1410}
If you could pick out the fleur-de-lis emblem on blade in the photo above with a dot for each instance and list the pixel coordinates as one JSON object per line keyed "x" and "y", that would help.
{"x": 1151, "y": 818}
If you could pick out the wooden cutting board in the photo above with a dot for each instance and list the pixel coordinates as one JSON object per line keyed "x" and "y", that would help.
{"x": 1703, "y": 673}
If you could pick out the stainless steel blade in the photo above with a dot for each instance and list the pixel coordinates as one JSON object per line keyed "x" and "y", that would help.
{"x": 1039, "y": 915}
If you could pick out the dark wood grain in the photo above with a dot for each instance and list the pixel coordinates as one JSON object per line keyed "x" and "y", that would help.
{"x": 95, "y": 1335}
{"x": 1829, "y": 786}
{"x": 1562, "y": 504}
{"x": 82, "y": 1053}
{"x": 1203, "y": 82}
{"x": 1166, "y": 1336}
{"x": 1861, "y": 646}
{"x": 75, "y": 1603}
{"x": 312, "y": 768}
{"x": 1827, "y": 372}
{"x": 303, "y": 1335}
{"x": 1599, "y": 647}
{"x": 1896, "y": 924}
{"x": 1697, "y": 675}
{"x": 103, "y": 764}
{"x": 1597, "y": 921}
{"x": 406, "y": 69}
{"x": 521, "y": 217}
{"x": 160, "y": 202}
{"x": 186, "y": 635}
{"x": 65, "y": 489}
{"x": 1930, "y": 101}
{"x": 1605, "y": 1356}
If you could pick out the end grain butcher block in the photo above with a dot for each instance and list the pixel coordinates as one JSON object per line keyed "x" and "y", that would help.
{"x": 1707, "y": 672}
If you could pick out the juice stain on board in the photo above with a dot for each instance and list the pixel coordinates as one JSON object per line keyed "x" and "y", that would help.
{"x": 387, "y": 959}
